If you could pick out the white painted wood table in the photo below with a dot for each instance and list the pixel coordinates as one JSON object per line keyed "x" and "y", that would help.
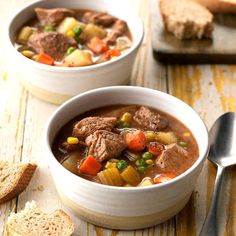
{"x": 209, "y": 89}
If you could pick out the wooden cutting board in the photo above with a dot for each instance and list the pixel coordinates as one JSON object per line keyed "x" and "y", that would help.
{"x": 221, "y": 49}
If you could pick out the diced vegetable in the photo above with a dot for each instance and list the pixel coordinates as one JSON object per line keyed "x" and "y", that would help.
{"x": 70, "y": 33}
{"x": 149, "y": 162}
{"x": 166, "y": 137}
{"x": 49, "y": 28}
{"x": 147, "y": 155}
{"x": 126, "y": 117}
{"x": 97, "y": 45}
{"x": 112, "y": 53}
{"x": 136, "y": 140}
{"x": 79, "y": 58}
{"x": 146, "y": 182}
{"x": 27, "y": 53}
{"x": 70, "y": 50}
{"x": 90, "y": 166}
{"x": 186, "y": 134}
{"x": 141, "y": 169}
{"x": 150, "y": 136}
{"x": 130, "y": 176}
{"x": 45, "y": 59}
{"x": 91, "y": 31}
{"x": 122, "y": 44}
{"x": 161, "y": 178}
{"x": 124, "y": 125}
{"x": 25, "y": 33}
{"x": 155, "y": 148}
{"x": 69, "y": 23}
{"x": 72, "y": 140}
{"x": 121, "y": 164}
{"x": 110, "y": 176}
{"x": 77, "y": 31}
{"x": 71, "y": 163}
{"x": 111, "y": 163}
{"x": 183, "y": 144}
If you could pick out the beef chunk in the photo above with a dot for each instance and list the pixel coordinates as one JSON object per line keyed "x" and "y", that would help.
{"x": 105, "y": 145}
{"x": 99, "y": 18}
{"x": 52, "y": 43}
{"x": 150, "y": 120}
{"x": 174, "y": 159}
{"x": 52, "y": 16}
{"x": 89, "y": 125}
{"x": 118, "y": 29}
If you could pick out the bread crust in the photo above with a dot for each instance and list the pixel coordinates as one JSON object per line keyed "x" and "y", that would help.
{"x": 19, "y": 177}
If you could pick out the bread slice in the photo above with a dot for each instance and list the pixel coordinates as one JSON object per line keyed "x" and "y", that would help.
{"x": 31, "y": 221}
{"x": 186, "y": 19}
{"x": 219, "y": 6}
{"x": 14, "y": 178}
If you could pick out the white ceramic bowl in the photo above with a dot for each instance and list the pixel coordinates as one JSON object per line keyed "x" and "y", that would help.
{"x": 57, "y": 84}
{"x": 129, "y": 207}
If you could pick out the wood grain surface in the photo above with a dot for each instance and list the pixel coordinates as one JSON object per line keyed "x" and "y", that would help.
{"x": 209, "y": 89}
{"x": 220, "y": 49}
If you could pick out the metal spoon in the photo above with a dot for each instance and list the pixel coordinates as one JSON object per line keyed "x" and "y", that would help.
{"x": 223, "y": 154}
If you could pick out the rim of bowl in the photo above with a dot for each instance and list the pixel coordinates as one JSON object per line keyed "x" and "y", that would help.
{"x": 131, "y": 50}
{"x": 117, "y": 188}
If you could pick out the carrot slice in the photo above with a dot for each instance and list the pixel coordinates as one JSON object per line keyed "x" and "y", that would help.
{"x": 161, "y": 178}
{"x": 90, "y": 166}
{"x": 97, "y": 45}
{"x": 136, "y": 140}
{"x": 113, "y": 53}
{"x": 155, "y": 148}
{"x": 45, "y": 59}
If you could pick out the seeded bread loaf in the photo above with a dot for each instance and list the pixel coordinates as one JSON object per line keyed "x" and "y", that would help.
{"x": 31, "y": 221}
{"x": 186, "y": 19}
{"x": 14, "y": 178}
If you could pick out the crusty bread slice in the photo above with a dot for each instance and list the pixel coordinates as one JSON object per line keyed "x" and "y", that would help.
{"x": 14, "y": 178}
{"x": 31, "y": 221}
{"x": 219, "y": 6}
{"x": 186, "y": 19}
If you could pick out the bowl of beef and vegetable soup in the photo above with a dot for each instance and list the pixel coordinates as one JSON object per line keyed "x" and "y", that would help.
{"x": 65, "y": 48}
{"x": 125, "y": 157}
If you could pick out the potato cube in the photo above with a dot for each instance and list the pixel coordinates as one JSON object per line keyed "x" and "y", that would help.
{"x": 91, "y": 31}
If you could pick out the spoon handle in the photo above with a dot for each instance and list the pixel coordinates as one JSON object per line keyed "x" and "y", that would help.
{"x": 210, "y": 225}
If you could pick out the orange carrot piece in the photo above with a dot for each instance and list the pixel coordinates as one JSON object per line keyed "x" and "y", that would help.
{"x": 113, "y": 53}
{"x": 90, "y": 166}
{"x": 161, "y": 178}
{"x": 155, "y": 148}
{"x": 45, "y": 59}
{"x": 97, "y": 45}
{"x": 136, "y": 140}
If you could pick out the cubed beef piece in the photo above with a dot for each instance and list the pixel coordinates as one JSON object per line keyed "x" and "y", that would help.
{"x": 174, "y": 159}
{"x": 105, "y": 145}
{"x": 150, "y": 120}
{"x": 98, "y": 18}
{"x": 52, "y": 16}
{"x": 53, "y": 43}
{"x": 118, "y": 29}
{"x": 89, "y": 125}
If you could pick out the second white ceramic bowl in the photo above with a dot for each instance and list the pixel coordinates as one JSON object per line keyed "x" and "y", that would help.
{"x": 125, "y": 207}
{"x": 57, "y": 84}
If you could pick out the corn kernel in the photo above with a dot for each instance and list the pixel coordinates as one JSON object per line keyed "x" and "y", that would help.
{"x": 70, "y": 33}
{"x": 35, "y": 57}
{"x": 72, "y": 140}
{"x": 110, "y": 165}
{"x": 27, "y": 53}
{"x": 186, "y": 134}
{"x": 149, "y": 162}
{"x": 126, "y": 117}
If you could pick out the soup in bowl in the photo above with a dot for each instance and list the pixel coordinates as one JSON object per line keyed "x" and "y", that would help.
{"x": 129, "y": 156}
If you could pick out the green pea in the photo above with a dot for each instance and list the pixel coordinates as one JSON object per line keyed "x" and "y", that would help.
{"x": 183, "y": 144}
{"x": 49, "y": 28}
{"x": 121, "y": 164}
{"x": 147, "y": 155}
{"x": 141, "y": 169}
{"x": 140, "y": 162}
{"x": 70, "y": 50}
